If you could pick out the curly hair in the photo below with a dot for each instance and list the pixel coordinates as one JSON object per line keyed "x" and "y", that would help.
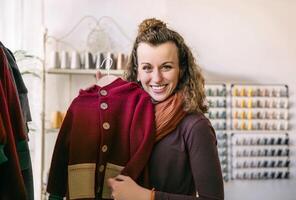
{"x": 191, "y": 82}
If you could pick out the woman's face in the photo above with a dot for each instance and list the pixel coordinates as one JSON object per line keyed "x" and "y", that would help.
{"x": 158, "y": 69}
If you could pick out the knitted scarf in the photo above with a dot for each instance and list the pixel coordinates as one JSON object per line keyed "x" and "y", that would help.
{"x": 168, "y": 114}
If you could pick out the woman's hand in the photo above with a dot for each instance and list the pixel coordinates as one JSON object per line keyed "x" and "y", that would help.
{"x": 125, "y": 188}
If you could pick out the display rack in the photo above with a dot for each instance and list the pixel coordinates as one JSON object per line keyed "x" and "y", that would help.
{"x": 216, "y": 100}
{"x": 259, "y": 132}
{"x": 251, "y": 123}
{"x": 259, "y": 107}
{"x": 260, "y": 156}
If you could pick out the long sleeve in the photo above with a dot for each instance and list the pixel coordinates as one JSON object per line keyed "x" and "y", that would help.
{"x": 200, "y": 144}
{"x": 58, "y": 176}
{"x": 141, "y": 137}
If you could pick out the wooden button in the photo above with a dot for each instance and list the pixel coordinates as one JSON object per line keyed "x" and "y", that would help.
{"x": 104, "y": 106}
{"x": 104, "y": 148}
{"x": 103, "y": 92}
{"x": 101, "y": 168}
{"x": 106, "y": 125}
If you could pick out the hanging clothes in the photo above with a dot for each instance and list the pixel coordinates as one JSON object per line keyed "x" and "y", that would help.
{"x": 15, "y": 93}
{"x": 20, "y": 85}
{"x": 104, "y": 126}
{"x": 22, "y": 147}
{"x": 12, "y": 184}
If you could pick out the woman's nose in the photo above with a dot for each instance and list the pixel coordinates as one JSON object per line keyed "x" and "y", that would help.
{"x": 157, "y": 76}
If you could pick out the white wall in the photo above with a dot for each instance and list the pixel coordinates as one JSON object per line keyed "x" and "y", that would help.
{"x": 21, "y": 25}
{"x": 234, "y": 40}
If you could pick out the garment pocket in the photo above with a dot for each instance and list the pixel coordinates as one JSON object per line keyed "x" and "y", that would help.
{"x": 81, "y": 179}
{"x": 111, "y": 172}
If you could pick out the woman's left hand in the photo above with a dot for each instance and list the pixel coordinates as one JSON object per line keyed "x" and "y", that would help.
{"x": 125, "y": 188}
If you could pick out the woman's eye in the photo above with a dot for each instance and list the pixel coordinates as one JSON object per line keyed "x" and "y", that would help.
{"x": 147, "y": 68}
{"x": 166, "y": 67}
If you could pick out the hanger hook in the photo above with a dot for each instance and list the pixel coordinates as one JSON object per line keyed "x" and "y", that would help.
{"x": 108, "y": 66}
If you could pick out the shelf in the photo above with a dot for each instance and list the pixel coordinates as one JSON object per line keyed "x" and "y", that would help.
{"x": 83, "y": 71}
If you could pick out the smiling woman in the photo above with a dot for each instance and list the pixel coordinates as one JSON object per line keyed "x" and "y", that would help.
{"x": 184, "y": 163}
{"x": 154, "y": 33}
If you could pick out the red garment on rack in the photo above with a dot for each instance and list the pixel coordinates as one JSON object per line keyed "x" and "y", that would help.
{"x": 11, "y": 96}
{"x": 11, "y": 184}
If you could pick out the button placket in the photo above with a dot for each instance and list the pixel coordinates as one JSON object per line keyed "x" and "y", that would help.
{"x": 106, "y": 126}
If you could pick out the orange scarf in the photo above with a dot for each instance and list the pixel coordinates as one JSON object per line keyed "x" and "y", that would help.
{"x": 168, "y": 114}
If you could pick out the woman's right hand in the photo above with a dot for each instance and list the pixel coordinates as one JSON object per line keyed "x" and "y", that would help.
{"x": 125, "y": 188}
